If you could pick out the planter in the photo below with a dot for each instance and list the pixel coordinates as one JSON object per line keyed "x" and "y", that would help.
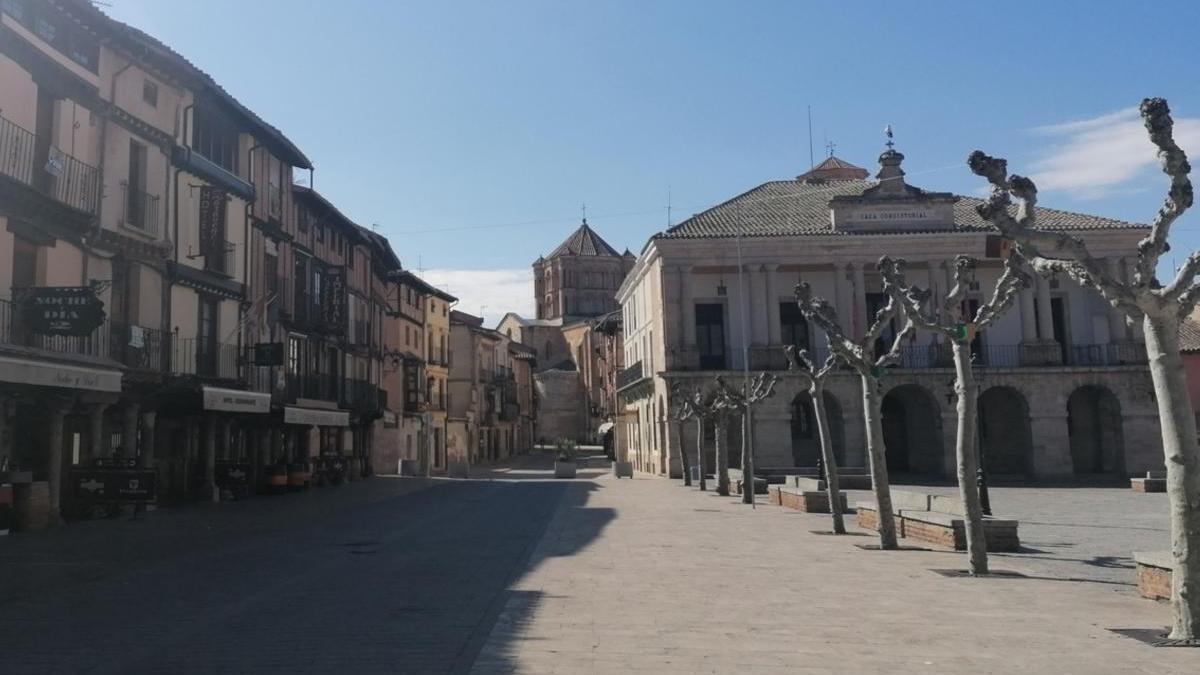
{"x": 623, "y": 469}
{"x": 458, "y": 470}
{"x": 564, "y": 469}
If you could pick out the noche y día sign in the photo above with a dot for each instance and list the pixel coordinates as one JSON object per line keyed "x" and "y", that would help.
{"x": 62, "y": 310}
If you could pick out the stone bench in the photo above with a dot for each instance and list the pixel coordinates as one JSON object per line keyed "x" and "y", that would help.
{"x": 1155, "y": 481}
{"x": 737, "y": 482}
{"x": 807, "y": 501}
{"x": 622, "y": 469}
{"x": 922, "y": 523}
{"x": 851, "y": 481}
{"x": 1154, "y": 574}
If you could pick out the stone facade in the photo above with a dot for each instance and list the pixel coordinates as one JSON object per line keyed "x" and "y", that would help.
{"x": 1064, "y": 386}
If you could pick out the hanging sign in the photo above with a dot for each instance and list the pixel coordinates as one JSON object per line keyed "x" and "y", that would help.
{"x": 61, "y": 310}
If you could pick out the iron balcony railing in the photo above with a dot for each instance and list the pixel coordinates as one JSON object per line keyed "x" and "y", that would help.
{"x": 204, "y": 358}
{"x": 141, "y": 210}
{"x": 361, "y": 395}
{"x": 319, "y": 386}
{"x": 138, "y": 347}
{"x": 223, "y": 260}
{"x": 35, "y": 162}
{"x": 629, "y": 375}
{"x": 15, "y": 331}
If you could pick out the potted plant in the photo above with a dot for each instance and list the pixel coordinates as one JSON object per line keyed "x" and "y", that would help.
{"x": 564, "y": 462}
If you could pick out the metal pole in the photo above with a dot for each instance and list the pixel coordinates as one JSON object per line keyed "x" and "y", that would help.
{"x": 743, "y": 300}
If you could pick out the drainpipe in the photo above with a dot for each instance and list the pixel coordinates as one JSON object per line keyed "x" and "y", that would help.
{"x": 246, "y": 237}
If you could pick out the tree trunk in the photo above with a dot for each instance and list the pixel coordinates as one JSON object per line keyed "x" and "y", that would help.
{"x": 747, "y": 460}
{"x": 832, "y": 490}
{"x": 683, "y": 458}
{"x": 1183, "y": 471}
{"x": 722, "y": 460}
{"x": 964, "y": 450}
{"x": 700, "y": 453}
{"x": 878, "y": 462}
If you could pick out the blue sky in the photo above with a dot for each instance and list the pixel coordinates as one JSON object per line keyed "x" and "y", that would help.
{"x": 472, "y": 132}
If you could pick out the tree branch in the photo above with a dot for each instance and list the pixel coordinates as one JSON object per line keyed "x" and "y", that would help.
{"x": 1005, "y": 292}
{"x": 1159, "y": 125}
{"x": 821, "y": 313}
{"x": 914, "y": 300}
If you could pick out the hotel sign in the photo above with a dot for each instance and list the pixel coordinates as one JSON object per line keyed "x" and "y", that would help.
{"x": 61, "y": 310}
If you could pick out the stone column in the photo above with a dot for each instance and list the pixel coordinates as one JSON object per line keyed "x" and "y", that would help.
{"x": 1045, "y": 317}
{"x": 773, "y": 337}
{"x": 54, "y": 460}
{"x": 1028, "y": 317}
{"x": 841, "y": 296}
{"x": 96, "y": 447}
{"x": 208, "y": 491}
{"x": 129, "y": 428}
{"x": 859, "y": 308}
{"x": 1116, "y": 318}
{"x": 227, "y": 439}
{"x": 148, "y": 421}
{"x": 758, "y": 309}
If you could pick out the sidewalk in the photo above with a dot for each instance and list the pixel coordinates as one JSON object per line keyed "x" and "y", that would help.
{"x": 682, "y": 581}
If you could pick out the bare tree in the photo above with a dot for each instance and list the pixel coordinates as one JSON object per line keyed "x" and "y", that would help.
{"x": 724, "y": 406}
{"x": 870, "y": 366}
{"x": 744, "y": 398}
{"x": 681, "y": 410}
{"x": 702, "y": 402}
{"x": 799, "y": 360}
{"x": 952, "y": 320}
{"x": 1143, "y": 298}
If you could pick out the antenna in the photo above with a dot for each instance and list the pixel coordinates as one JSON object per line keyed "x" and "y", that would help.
{"x": 811, "y": 163}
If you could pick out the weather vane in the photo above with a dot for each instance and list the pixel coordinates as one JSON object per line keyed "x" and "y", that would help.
{"x": 888, "y": 131}
{"x": 830, "y": 146}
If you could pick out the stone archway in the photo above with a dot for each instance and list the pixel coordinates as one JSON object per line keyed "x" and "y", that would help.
{"x": 806, "y": 441}
{"x": 1005, "y": 439}
{"x": 1096, "y": 431}
{"x": 912, "y": 430}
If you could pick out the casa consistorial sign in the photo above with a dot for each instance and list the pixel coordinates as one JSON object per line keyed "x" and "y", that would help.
{"x": 61, "y": 310}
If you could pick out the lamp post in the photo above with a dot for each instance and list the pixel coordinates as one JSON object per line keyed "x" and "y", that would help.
{"x": 980, "y": 473}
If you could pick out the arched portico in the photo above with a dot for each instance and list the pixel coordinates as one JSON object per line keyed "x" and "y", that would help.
{"x": 1096, "y": 431}
{"x": 1006, "y": 443}
{"x": 912, "y": 430}
{"x": 806, "y": 441}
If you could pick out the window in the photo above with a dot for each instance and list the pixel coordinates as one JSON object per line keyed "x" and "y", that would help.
{"x": 876, "y": 302}
{"x": 150, "y": 93}
{"x": 135, "y": 195}
{"x": 302, "y": 219}
{"x": 710, "y": 335}
{"x": 793, "y": 328}
{"x": 215, "y": 138}
{"x": 350, "y": 258}
{"x": 271, "y": 273}
{"x": 320, "y": 232}
{"x": 45, "y": 22}
{"x": 206, "y": 338}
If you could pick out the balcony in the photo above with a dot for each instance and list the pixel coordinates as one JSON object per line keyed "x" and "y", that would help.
{"x": 141, "y": 210}
{"x": 363, "y": 396}
{"x": 222, "y": 261}
{"x": 629, "y": 375}
{"x": 204, "y": 358}
{"x": 138, "y": 347}
{"x": 317, "y": 387}
{"x": 15, "y": 332}
{"x": 35, "y": 162}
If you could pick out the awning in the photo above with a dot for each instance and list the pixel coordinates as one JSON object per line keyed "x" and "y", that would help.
{"x": 50, "y": 374}
{"x": 236, "y": 400}
{"x": 316, "y": 417}
{"x": 603, "y": 429}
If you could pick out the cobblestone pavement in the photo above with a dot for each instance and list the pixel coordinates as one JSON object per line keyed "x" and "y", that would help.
{"x": 387, "y": 575}
{"x": 690, "y": 582}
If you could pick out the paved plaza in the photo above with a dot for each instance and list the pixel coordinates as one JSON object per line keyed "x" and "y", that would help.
{"x": 516, "y": 572}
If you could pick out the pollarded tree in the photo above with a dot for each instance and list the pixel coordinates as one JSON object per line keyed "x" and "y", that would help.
{"x": 863, "y": 358}
{"x": 680, "y": 411}
{"x": 1143, "y": 298}
{"x": 799, "y": 360}
{"x": 744, "y": 398}
{"x": 703, "y": 405}
{"x": 954, "y": 321}
{"x": 724, "y": 406}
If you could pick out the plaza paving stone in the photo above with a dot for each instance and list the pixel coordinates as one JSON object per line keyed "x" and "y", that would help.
{"x": 690, "y": 582}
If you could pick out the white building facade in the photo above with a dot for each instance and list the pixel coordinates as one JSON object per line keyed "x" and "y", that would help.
{"x": 1064, "y": 386}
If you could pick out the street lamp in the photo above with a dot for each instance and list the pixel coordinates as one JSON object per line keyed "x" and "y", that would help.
{"x": 980, "y": 473}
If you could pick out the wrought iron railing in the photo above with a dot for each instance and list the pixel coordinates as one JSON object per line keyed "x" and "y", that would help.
{"x": 629, "y": 375}
{"x": 15, "y": 331}
{"x": 204, "y": 358}
{"x": 223, "y": 260}
{"x": 320, "y": 386}
{"x": 141, "y": 210}
{"x": 138, "y": 347}
{"x": 58, "y": 175}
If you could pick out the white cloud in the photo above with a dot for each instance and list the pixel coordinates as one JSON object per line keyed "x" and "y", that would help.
{"x": 1099, "y": 157}
{"x": 499, "y": 291}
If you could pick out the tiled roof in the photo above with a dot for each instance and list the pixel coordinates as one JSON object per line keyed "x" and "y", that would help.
{"x": 1189, "y": 335}
{"x": 834, "y": 168}
{"x": 584, "y": 241}
{"x": 796, "y": 208}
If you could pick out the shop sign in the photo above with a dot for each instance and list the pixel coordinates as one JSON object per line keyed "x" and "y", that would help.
{"x": 236, "y": 400}
{"x": 61, "y": 310}
{"x": 314, "y": 417}
{"x": 47, "y": 374}
{"x": 121, "y": 486}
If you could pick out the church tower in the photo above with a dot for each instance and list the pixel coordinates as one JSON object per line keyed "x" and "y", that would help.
{"x": 580, "y": 278}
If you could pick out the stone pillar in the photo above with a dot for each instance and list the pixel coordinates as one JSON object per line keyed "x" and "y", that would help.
{"x": 129, "y": 428}
{"x": 148, "y": 421}
{"x": 1045, "y": 318}
{"x": 859, "y": 308}
{"x": 54, "y": 461}
{"x": 1116, "y": 318}
{"x": 759, "y": 309}
{"x": 96, "y": 444}
{"x": 226, "y": 426}
{"x": 1028, "y": 316}
{"x": 841, "y": 296}
{"x": 208, "y": 454}
{"x": 773, "y": 330}
{"x": 1051, "y": 443}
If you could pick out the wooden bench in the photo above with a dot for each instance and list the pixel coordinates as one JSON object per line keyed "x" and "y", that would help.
{"x": 1154, "y": 574}
{"x": 1155, "y": 481}
{"x": 938, "y": 520}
